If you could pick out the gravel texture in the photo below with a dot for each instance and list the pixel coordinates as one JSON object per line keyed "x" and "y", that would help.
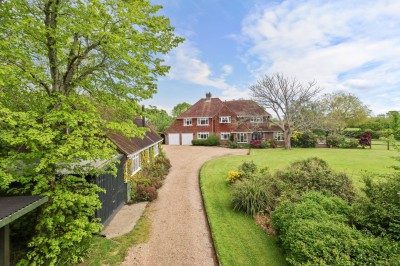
{"x": 180, "y": 234}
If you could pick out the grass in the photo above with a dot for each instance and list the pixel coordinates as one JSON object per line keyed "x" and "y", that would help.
{"x": 105, "y": 251}
{"x": 238, "y": 240}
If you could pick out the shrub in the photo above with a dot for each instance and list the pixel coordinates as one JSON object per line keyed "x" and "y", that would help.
{"x": 379, "y": 210}
{"x": 212, "y": 140}
{"x": 304, "y": 140}
{"x": 233, "y": 176}
{"x": 352, "y": 132}
{"x": 146, "y": 193}
{"x": 314, "y": 174}
{"x": 349, "y": 144}
{"x": 335, "y": 140}
{"x": 365, "y": 139}
{"x": 256, "y": 144}
{"x": 315, "y": 231}
{"x": 255, "y": 194}
{"x": 248, "y": 169}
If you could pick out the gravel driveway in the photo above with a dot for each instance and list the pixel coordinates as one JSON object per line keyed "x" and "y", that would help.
{"x": 180, "y": 234}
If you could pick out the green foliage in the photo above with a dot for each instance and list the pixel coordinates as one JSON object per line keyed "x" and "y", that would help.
{"x": 255, "y": 194}
{"x": 314, "y": 174}
{"x": 340, "y": 141}
{"x": 248, "y": 169}
{"x": 39, "y": 157}
{"x": 212, "y": 140}
{"x": 180, "y": 108}
{"x": 315, "y": 231}
{"x": 335, "y": 140}
{"x": 145, "y": 184}
{"x": 304, "y": 140}
{"x": 158, "y": 118}
{"x": 69, "y": 73}
{"x": 379, "y": 210}
{"x": 351, "y": 132}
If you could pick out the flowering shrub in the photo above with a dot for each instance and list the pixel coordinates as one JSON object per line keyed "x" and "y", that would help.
{"x": 233, "y": 176}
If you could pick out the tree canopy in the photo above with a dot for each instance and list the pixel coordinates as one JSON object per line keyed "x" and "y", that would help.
{"x": 286, "y": 97}
{"x": 71, "y": 71}
{"x": 180, "y": 108}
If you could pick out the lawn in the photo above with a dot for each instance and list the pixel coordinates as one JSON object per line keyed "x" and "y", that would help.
{"x": 238, "y": 240}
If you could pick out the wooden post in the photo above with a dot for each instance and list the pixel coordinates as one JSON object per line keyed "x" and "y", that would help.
{"x": 5, "y": 246}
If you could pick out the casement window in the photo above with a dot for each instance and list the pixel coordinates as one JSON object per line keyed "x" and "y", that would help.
{"x": 202, "y": 135}
{"x": 225, "y": 135}
{"x": 202, "y": 121}
{"x": 242, "y": 137}
{"x": 278, "y": 135}
{"x": 156, "y": 150}
{"x": 256, "y": 119}
{"x": 135, "y": 163}
{"x": 224, "y": 119}
{"x": 187, "y": 122}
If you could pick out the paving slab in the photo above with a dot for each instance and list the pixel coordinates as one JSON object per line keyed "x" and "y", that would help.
{"x": 125, "y": 220}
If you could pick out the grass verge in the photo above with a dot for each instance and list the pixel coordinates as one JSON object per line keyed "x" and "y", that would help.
{"x": 237, "y": 238}
{"x": 105, "y": 251}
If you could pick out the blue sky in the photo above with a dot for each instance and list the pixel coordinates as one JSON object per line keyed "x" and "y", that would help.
{"x": 351, "y": 46}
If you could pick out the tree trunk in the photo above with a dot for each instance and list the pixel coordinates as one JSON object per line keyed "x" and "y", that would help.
{"x": 287, "y": 135}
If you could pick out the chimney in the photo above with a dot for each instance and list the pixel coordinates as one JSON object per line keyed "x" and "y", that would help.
{"x": 208, "y": 97}
{"x": 143, "y": 117}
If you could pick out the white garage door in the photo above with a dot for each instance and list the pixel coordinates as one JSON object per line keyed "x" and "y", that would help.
{"x": 187, "y": 138}
{"x": 173, "y": 139}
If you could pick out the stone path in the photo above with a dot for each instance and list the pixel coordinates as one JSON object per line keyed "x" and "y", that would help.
{"x": 180, "y": 234}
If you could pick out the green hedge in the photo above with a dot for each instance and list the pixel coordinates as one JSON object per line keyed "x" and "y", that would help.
{"x": 212, "y": 140}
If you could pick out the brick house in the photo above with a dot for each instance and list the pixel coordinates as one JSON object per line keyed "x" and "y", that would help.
{"x": 238, "y": 120}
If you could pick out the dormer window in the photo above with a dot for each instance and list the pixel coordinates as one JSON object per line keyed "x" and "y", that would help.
{"x": 187, "y": 122}
{"x": 225, "y": 119}
{"x": 202, "y": 121}
{"x": 256, "y": 119}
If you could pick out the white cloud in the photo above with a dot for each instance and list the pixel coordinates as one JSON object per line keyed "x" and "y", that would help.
{"x": 186, "y": 65}
{"x": 347, "y": 45}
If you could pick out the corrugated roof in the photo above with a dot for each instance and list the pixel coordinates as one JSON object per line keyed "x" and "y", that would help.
{"x": 203, "y": 108}
{"x": 133, "y": 145}
{"x": 246, "y": 108}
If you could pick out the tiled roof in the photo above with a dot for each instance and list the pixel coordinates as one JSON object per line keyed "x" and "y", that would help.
{"x": 246, "y": 108}
{"x": 203, "y": 108}
{"x": 133, "y": 145}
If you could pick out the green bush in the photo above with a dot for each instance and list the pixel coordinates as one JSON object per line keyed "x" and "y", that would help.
{"x": 304, "y": 140}
{"x": 315, "y": 231}
{"x": 315, "y": 174}
{"x": 212, "y": 140}
{"x": 247, "y": 169}
{"x": 335, "y": 140}
{"x": 378, "y": 211}
{"x": 255, "y": 194}
{"x": 349, "y": 144}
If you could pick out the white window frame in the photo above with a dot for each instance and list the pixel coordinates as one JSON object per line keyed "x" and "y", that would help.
{"x": 224, "y": 119}
{"x": 187, "y": 122}
{"x": 200, "y": 119}
{"x": 136, "y": 163}
{"x": 245, "y": 137}
{"x": 225, "y": 135}
{"x": 156, "y": 150}
{"x": 203, "y": 135}
{"x": 278, "y": 135}
{"x": 256, "y": 119}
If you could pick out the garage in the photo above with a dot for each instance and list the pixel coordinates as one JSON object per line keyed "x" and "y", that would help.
{"x": 173, "y": 139}
{"x": 187, "y": 138}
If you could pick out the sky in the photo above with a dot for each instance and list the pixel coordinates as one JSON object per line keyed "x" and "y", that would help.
{"x": 344, "y": 45}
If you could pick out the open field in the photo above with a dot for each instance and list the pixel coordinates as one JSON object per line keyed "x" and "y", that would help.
{"x": 238, "y": 240}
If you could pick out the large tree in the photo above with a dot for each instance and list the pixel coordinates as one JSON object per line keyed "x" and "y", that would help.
{"x": 343, "y": 110}
{"x": 70, "y": 71}
{"x": 286, "y": 97}
{"x": 180, "y": 108}
{"x": 158, "y": 118}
